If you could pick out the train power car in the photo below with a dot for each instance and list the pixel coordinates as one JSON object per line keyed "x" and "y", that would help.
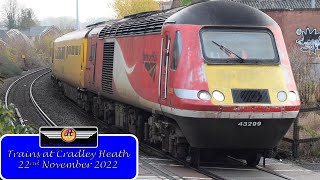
{"x": 213, "y": 75}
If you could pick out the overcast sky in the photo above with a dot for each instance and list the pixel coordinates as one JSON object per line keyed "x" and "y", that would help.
{"x": 55, "y": 8}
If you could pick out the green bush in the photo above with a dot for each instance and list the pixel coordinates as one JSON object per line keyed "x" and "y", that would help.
{"x": 8, "y": 68}
{"x": 9, "y": 123}
{"x": 185, "y": 2}
{"x": 313, "y": 133}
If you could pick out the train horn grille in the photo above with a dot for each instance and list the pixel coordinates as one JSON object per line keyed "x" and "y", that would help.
{"x": 107, "y": 67}
{"x": 250, "y": 96}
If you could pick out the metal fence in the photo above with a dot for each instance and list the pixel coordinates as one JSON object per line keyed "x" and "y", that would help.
{"x": 296, "y": 140}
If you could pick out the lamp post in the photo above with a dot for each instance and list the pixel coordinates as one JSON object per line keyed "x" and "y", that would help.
{"x": 77, "y": 15}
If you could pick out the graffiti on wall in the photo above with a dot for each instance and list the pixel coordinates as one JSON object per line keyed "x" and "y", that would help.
{"x": 310, "y": 40}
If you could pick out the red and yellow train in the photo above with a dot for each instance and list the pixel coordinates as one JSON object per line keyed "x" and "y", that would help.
{"x": 213, "y": 75}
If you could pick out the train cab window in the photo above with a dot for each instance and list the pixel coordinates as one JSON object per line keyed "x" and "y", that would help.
{"x": 176, "y": 52}
{"x": 238, "y": 46}
{"x": 93, "y": 52}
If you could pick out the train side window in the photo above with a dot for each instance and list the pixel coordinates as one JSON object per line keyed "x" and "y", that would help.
{"x": 176, "y": 52}
{"x": 93, "y": 52}
{"x": 63, "y": 53}
{"x": 76, "y": 50}
{"x": 58, "y": 53}
{"x": 67, "y": 48}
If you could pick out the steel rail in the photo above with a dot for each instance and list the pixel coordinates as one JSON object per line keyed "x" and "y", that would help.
{"x": 15, "y": 82}
{"x": 264, "y": 169}
{"x": 150, "y": 149}
{"x": 34, "y": 102}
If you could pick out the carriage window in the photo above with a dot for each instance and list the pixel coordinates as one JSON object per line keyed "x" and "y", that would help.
{"x": 60, "y": 53}
{"x": 63, "y": 53}
{"x": 245, "y": 46}
{"x": 76, "y": 50}
{"x": 176, "y": 52}
{"x": 68, "y": 50}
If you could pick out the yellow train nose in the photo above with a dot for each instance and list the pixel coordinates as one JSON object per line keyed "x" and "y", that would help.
{"x": 246, "y": 84}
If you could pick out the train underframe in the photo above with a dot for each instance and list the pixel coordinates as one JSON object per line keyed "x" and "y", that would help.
{"x": 164, "y": 131}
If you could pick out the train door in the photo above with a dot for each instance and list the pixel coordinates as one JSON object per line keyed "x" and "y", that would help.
{"x": 92, "y": 59}
{"x": 164, "y": 67}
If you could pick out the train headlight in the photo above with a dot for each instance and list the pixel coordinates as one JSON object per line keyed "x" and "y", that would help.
{"x": 217, "y": 95}
{"x": 292, "y": 96}
{"x": 204, "y": 95}
{"x": 282, "y": 96}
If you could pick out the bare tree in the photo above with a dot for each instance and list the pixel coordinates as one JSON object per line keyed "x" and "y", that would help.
{"x": 26, "y": 19}
{"x": 10, "y": 10}
{"x": 64, "y": 23}
{"x": 305, "y": 75}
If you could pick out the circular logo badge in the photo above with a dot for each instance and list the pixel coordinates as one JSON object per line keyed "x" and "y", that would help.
{"x": 68, "y": 135}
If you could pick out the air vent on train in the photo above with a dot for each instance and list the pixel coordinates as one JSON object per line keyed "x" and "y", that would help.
{"x": 250, "y": 96}
{"x": 107, "y": 67}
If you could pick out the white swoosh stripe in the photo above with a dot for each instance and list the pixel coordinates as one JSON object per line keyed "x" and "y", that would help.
{"x": 129, "y": 70}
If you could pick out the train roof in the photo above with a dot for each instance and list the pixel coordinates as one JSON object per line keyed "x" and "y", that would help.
{"x": 73, "y": 35}
{"x": 221, "y": 13}
{"x": 97, "y": 27}
{"x": 215, "y": 13}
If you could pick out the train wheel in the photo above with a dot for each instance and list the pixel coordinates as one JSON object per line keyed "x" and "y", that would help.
{"x": 178, "y": 147}
{"x": 195, "y": 157}
{"x": 253, "y": 159}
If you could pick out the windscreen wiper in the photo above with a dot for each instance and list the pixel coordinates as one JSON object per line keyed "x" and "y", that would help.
{"x": 228, "y": 51}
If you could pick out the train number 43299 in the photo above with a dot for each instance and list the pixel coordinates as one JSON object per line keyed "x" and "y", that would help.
{"x": 250, "y": 123}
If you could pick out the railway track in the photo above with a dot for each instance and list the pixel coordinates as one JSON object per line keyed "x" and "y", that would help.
{"x": 261, "y": 168}
{"x": 22, "y": 102}
{"x": 145, "y": 162}
{"x": 221, "y": 172}
{"x": 34, "y": 102}
{"x": 6, "y": 99}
